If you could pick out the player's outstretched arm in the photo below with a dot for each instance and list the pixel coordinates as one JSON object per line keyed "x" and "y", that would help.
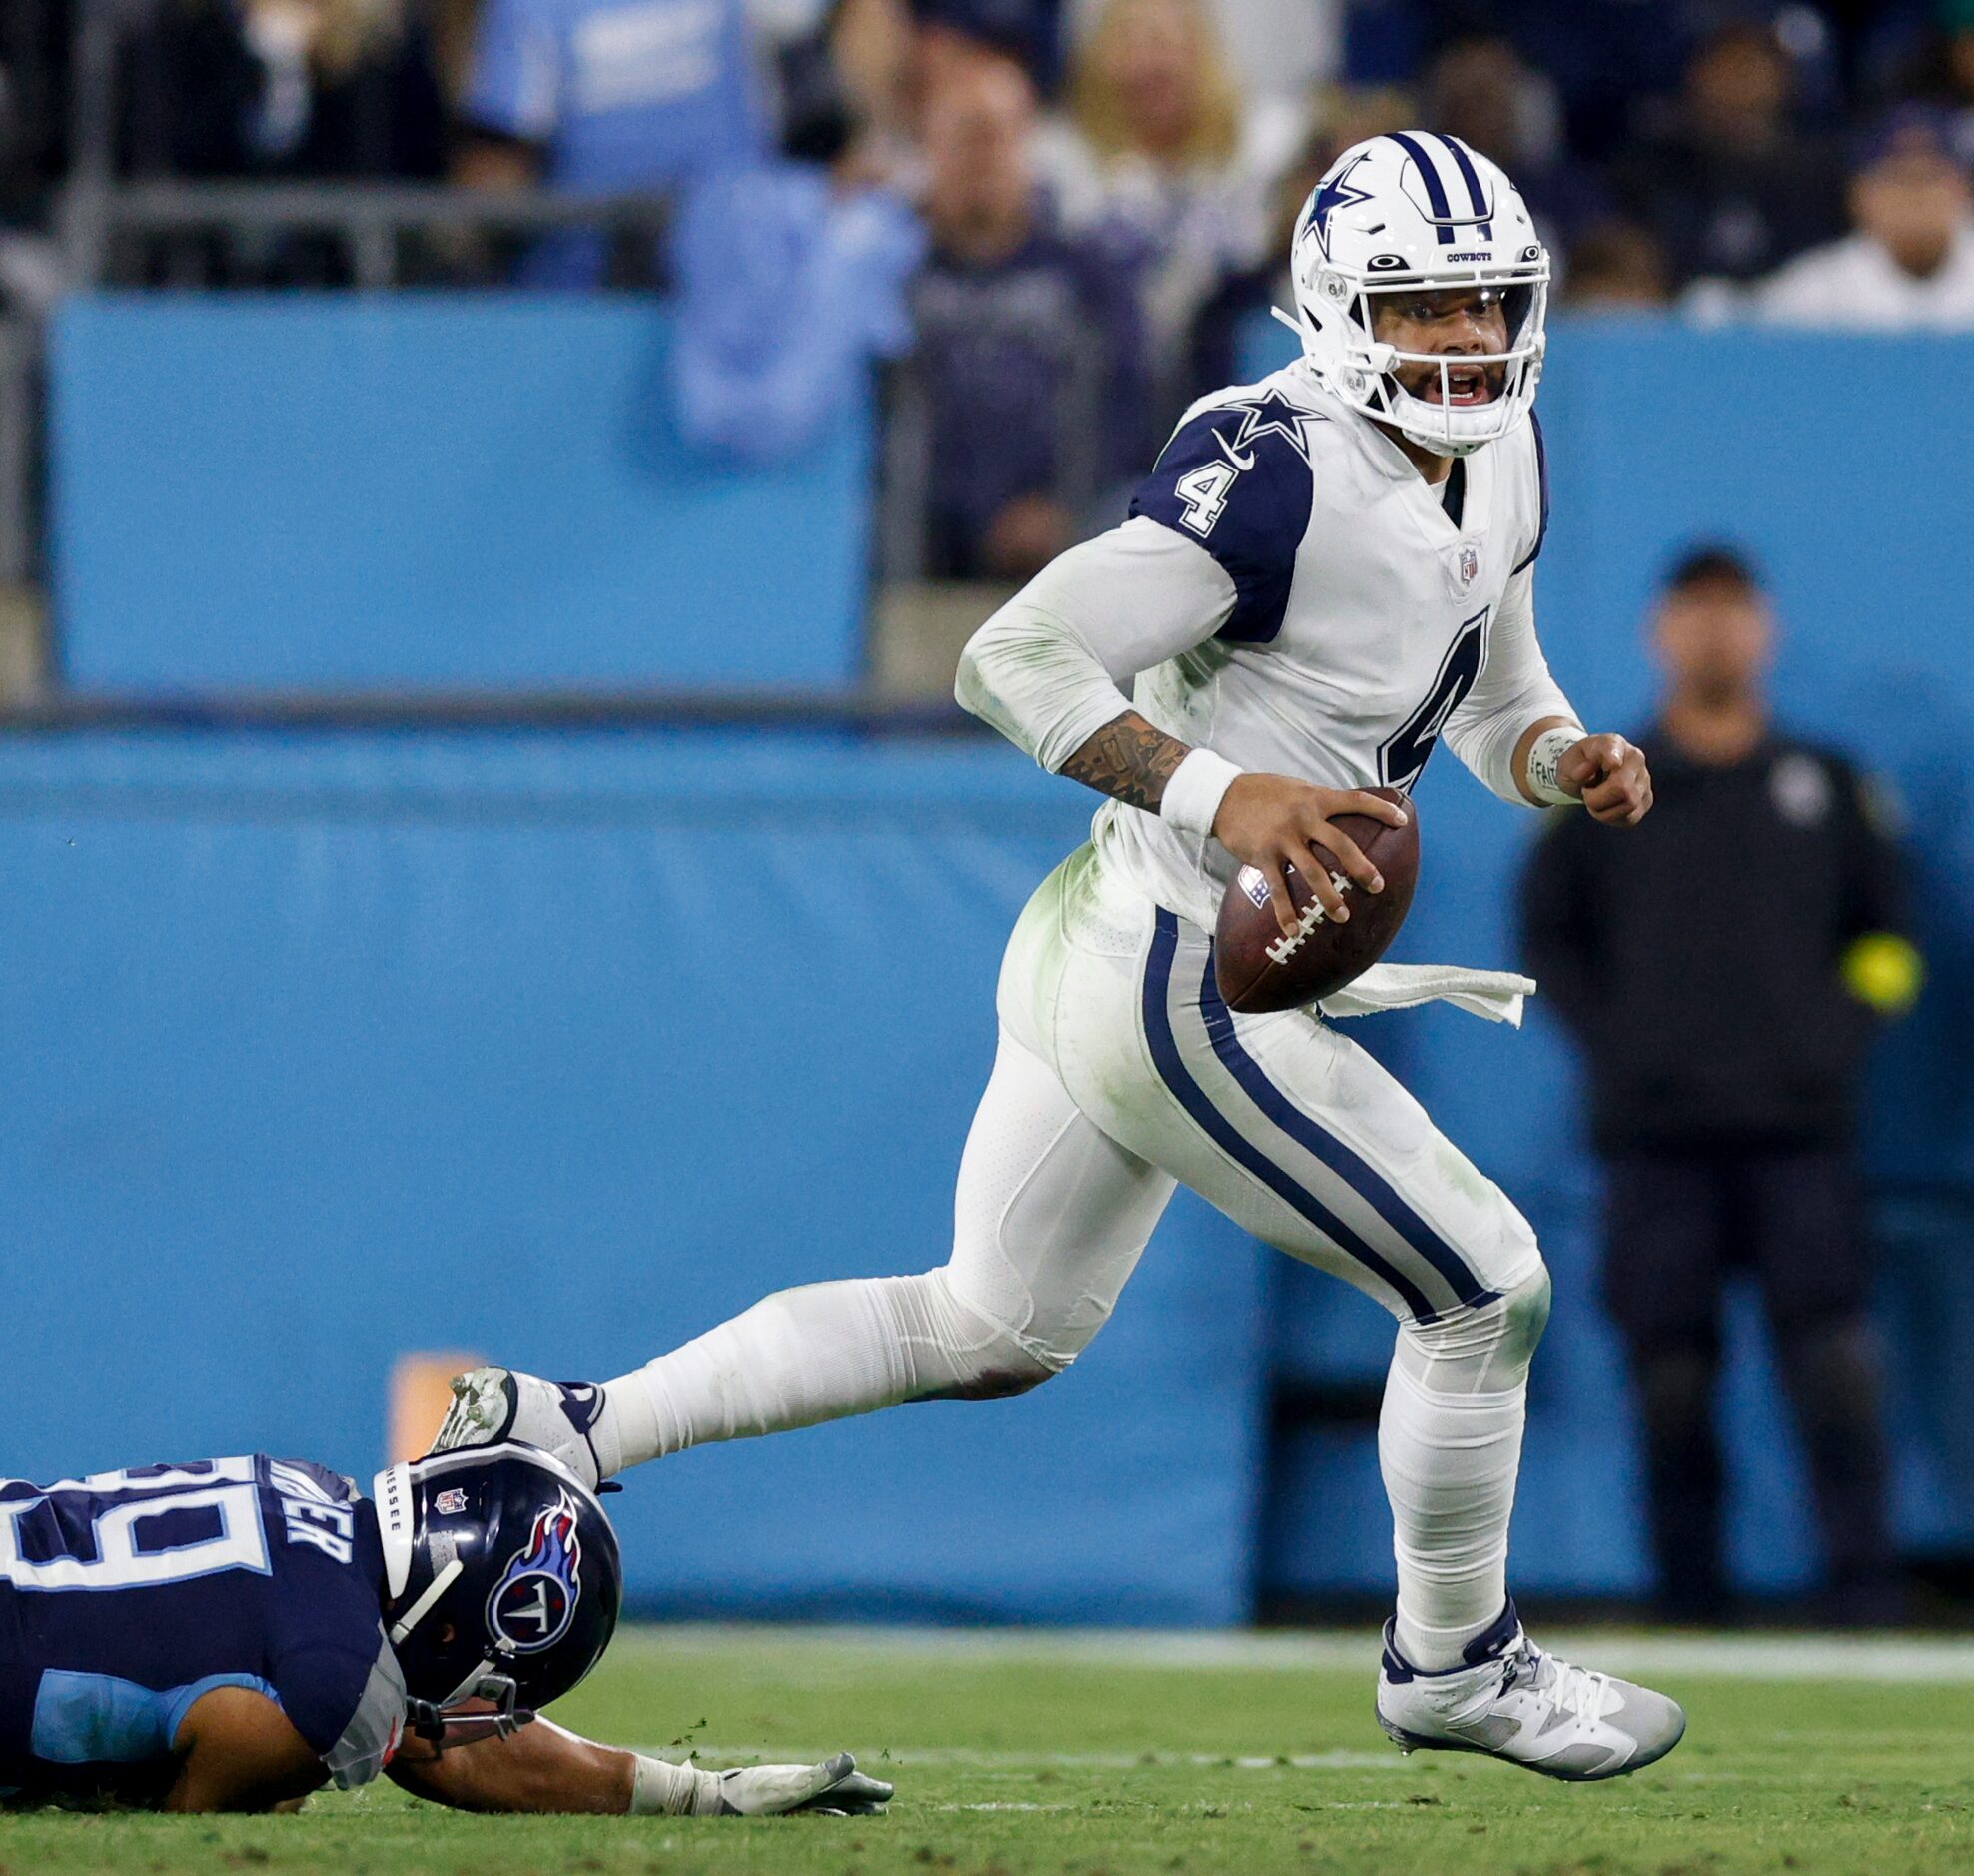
{"x": 543, "y": 1768}
{"x": 539, "y": 1768}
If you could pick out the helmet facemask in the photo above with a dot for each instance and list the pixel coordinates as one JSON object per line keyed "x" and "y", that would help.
{"x": 1363, "y": 371}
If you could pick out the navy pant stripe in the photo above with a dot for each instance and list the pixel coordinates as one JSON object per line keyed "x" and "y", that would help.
{"x": 1172, "y": 1069}
{"x": 1359, "y": 1174}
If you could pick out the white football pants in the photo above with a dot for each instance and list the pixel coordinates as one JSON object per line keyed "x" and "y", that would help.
{"x": 1120, "y": 1073}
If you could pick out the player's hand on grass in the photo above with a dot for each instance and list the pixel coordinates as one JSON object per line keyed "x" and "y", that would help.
{"x": 1270, "y": 821}
{"x": 1609, "y": 775}
{"x": 835, "y": 1788}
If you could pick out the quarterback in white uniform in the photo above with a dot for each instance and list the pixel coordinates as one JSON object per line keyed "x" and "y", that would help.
{"x": 1325, "y": 574}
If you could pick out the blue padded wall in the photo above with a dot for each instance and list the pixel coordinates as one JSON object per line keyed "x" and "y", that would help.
{"x": 322, "y": 1051}
{"x": 342, "y": 493}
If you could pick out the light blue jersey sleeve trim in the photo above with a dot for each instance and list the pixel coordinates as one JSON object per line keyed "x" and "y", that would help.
{"x": 97, "y": 1719}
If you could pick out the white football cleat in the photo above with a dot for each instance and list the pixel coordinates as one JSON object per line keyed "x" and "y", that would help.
{"x": 492, "y": 1405}
{"x": 1517, "y": 1703}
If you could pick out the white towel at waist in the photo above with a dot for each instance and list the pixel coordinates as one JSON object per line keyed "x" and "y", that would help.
{"x": 1496, "y": 994}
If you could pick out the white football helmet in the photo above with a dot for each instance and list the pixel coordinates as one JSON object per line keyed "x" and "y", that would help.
{"x": 1417, "y": 212}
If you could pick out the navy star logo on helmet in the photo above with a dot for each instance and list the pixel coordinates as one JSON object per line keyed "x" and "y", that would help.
{"x": 1333, "y": 191}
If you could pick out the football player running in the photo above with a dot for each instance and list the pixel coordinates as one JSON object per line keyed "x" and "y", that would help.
{"x": 232, "y": 1635}
{"x": 1325, "y": 574}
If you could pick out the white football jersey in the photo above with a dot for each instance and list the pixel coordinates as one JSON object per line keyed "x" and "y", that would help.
{"x": 1326, "y": 617}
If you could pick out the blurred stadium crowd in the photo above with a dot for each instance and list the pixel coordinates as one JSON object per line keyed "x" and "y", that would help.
{"x": 1065, "y": 212}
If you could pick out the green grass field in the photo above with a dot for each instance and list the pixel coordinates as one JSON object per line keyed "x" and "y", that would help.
{"x": 1081, "y": 1755}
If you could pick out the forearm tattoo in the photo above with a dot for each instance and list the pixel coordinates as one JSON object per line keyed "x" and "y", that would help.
{"x": 1129, "y": 760}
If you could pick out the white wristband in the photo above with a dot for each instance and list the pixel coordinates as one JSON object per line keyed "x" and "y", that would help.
{"x": 659, "y": 1789}
{"x": 1194, "y": 793}
{"x": 1544, "y": 761}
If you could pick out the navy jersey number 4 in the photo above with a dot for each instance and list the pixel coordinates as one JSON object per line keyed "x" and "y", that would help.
{"x": 1403, "y": 757}
{"x": 1236, "y": 479}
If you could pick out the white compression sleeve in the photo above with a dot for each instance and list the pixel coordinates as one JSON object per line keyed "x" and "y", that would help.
{"x": 1514, "y": 690}
{"x": 1450, "y": 1448}
{"x": 1046, "y": 670}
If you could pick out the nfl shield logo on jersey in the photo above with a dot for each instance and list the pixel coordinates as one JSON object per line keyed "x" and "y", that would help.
{"x": 1467, "y": 564}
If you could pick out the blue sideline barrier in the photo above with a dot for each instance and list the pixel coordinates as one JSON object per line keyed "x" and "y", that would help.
{"x": 319, "y": 1051}
{"x": 344, "y": 493}
{"x": 323, "y": 1049}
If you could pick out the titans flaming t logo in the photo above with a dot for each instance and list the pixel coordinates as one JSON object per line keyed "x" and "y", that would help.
{"x": 533, "y": 1604}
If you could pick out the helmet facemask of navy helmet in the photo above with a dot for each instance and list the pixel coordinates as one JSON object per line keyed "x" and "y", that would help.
{"x": 504, "y": 1583}
{"x": 1413, "y": 221}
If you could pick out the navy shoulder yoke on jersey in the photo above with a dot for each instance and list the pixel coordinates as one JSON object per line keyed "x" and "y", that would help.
{"x": 125, "y": 1596}
{"x": 1236, "y": 479}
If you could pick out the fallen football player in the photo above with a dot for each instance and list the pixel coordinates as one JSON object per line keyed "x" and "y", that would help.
{"x": 234, "y": 1634}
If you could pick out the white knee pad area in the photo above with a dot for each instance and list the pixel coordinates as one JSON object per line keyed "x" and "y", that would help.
{"x": 958, "y": 1350}
{"x": 1482, "y": 1350}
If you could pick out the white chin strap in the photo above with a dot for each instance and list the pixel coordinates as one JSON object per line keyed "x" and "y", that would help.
{"x": 426, "y": 1604}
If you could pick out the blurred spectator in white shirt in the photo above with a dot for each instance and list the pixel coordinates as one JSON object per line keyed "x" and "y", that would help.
{"x": 1909, "y": 265}
{"x": 1163, "y": 162}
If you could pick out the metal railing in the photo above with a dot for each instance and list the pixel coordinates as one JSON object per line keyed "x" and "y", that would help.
{"x": 101, "y": 211}
{"x": 368, "y": 220}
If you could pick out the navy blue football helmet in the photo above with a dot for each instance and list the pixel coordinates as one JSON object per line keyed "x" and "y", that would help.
{"x": 503, "y": 1579}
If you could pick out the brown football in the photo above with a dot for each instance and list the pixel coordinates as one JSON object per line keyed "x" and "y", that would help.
{"x": 1258, "y": 969}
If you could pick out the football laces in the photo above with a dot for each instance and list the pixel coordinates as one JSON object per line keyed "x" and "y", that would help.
{"x": 1312, "y": 915}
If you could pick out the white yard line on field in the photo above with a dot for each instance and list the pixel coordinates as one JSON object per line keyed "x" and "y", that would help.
{"x": 1891, "y": 1659}
{"x": 970, "y": 1757}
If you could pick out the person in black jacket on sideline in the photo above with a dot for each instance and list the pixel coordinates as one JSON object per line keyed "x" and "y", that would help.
{"x": 1725, "y": 975}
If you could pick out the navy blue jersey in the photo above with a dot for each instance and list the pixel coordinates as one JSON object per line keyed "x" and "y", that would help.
{"x": 126, "y": 1596}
